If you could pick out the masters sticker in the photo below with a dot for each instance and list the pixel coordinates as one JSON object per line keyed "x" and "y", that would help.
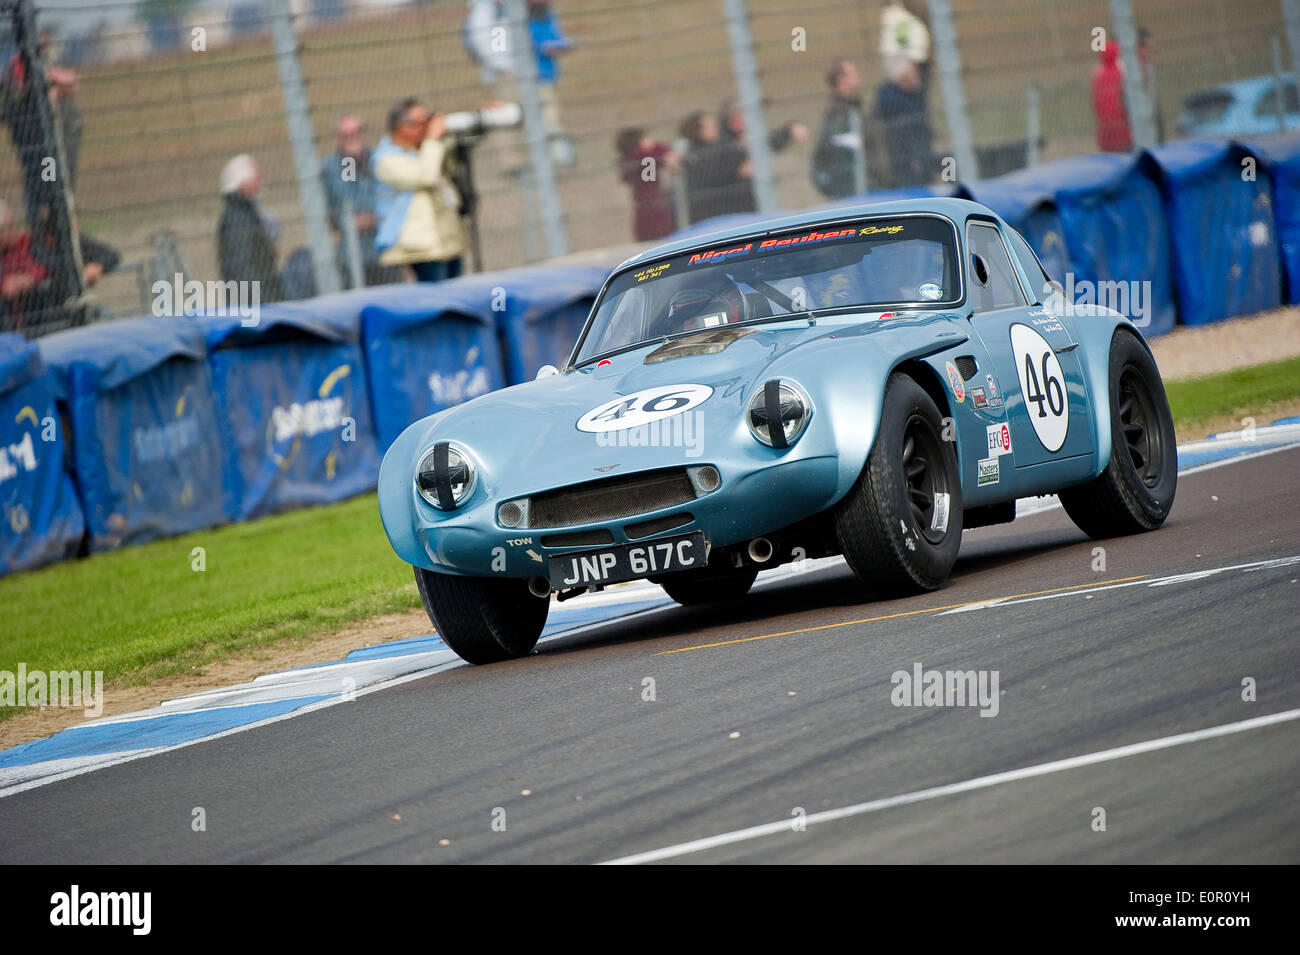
{"x": 986, "y": 472}
{"x": 954, "y": 379}
{"x": 930, "y": 292}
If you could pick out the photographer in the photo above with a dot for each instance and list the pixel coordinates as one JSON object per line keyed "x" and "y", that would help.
{"x": 417, "y": 205}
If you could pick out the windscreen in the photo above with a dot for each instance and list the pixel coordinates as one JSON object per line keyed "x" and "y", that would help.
{"x": 866, "y": 263}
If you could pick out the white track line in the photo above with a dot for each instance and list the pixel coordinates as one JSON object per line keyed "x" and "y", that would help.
{"x": 980, "y": 782}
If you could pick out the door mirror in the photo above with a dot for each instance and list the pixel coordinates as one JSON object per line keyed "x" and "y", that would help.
{"x": 546, "y": 371}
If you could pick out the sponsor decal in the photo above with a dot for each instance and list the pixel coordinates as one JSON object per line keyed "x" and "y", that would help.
{"x": 718, "y": 255}
{"x": 643, "y": 407}
{"x": 881, "y": 230}
{"x": 986, "y": 472}
{"x": 954, "y": 379}
{"x": 811, "y": 237}
{"x": 999, "y": 436}
{"x": 652, "y": 271}
{"x": 995, "y": 396}
{"x": 930, "y": 292}
{"x": 978, "y": 398}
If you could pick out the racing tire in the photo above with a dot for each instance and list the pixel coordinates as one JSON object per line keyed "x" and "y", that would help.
{"x": 1136, "y": 490}
{"x": 891, "y": 526}
{"x": 483, "y": 619}
{"x": 692, "y": 588}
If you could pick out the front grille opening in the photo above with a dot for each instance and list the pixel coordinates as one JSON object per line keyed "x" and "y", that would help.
{"x": 579, "y": 539}
{"x": 657, "y": 526}
{"x": 610, "y": 499}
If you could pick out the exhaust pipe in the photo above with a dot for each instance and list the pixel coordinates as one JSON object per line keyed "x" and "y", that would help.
{"x": 539, "y": 587}
{"x": 760, "y": 550}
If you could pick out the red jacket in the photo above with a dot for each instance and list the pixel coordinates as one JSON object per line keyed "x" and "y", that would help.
{"x": 1113, "y": 134}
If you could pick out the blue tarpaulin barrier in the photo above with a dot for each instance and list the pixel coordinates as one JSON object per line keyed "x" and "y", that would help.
{"x": 1221, "y": 229}
{"x": 295, "y": 416}
{"x": 428, "y": 346}
{"x": 145, "y": 450}
{"x": 542, "y": 310}
{"x": 1280, "y": 158}
{"x": 40, "y": 517}
{"x": 1026, "y": 205}
{"x": 1116, "y": 236}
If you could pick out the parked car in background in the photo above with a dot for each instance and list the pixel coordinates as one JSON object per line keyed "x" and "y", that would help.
{"x": 1246, "y": 107}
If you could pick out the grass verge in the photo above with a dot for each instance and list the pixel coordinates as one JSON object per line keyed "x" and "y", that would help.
{"x": 144, "y": 612}
{"x": 1258, "y": 391}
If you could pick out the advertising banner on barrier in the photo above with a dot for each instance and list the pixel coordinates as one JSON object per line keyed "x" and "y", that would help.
{"x": 1280, "y": 159}
{"x": 294, "y": 413}
{"x": 40, "y": 517}
{"x": 1221, "y": 229}
{"x": 145, "y": 450}
{"x": 428, "y": 346}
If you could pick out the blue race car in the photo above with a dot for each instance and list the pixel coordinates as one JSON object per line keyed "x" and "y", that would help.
{"x": 867, "y": 382}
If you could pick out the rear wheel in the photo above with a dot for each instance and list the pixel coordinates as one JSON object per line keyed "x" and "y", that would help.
{"x": 1136, "y": 490}
{"x": 899, "y": 527}
{"x": 708, "y": 585}
{"x": 483, "y": 619}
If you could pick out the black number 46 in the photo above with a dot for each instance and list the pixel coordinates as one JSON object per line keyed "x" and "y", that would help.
{"x": 1054, "y": 396}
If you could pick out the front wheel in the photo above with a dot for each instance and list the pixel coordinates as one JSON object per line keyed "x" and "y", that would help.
{"x": 899, "y": 527}
{"x": 483, "y": 619}
{"x": 1136, "y": 490}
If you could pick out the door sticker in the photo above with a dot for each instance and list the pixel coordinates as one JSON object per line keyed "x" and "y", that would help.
{"x": 1042, "y": 384}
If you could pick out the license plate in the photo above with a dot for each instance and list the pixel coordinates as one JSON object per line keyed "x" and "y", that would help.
{"x": 610, "y": 565}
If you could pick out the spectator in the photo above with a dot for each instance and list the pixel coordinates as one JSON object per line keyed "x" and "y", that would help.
{"x": 21, "y": 112}
{"x": 839, "y": 164}
{"x": 717, "y": 171}
{"x": 548, "y": 43}
{"x": 417, "y": 205}
{"x": 1113, "y": 133}
{"x": 246, "y": 238}
{"x": 349, "y": 179}
{"x": 26, "y": 268}
{"x": 900, "y": 111}
{"x": 653, "y": 216}
{"x": 903, "y": 33}
{"x": 731, "y": 120}
{"x": 485, "y": 34}
{"x": 1147, "y": 59}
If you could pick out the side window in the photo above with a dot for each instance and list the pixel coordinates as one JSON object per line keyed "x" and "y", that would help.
{"x": 1267, "y": 105}
{"x": 1038, "y": 277}
{"x": 993, "y": 282}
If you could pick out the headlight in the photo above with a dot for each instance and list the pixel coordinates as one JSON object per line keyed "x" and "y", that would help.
{"x": 445, "y": 477}
{"x": 783, "y": 403}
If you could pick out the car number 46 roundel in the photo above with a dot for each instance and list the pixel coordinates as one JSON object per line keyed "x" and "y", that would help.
{"x": 1042, "y": 383}
{"x": 642, "y": 407}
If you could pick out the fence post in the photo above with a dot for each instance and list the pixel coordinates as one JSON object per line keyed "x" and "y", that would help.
{"x": 1291, "y": 19}
{"x": 297, "y": 113}
{"x": 948, "y": 62}
{"x": 1032, "y": 133}
{"x": 543, "y": 172}
{"x": 750, "y": 97}
{"x": 1140, "y": 112}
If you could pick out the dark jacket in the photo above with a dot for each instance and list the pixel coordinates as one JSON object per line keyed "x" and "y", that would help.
{"x": 714, "y": 185}
{"x": 244, "y": 250}
{"x": 906, "y": 132}
{"x": 834, "y": 161}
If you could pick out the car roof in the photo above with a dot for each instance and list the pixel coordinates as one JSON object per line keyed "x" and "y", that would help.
{"x": 955, "y": 209}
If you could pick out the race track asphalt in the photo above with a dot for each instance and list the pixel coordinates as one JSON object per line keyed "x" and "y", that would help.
{"x": 801, "y": 670}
